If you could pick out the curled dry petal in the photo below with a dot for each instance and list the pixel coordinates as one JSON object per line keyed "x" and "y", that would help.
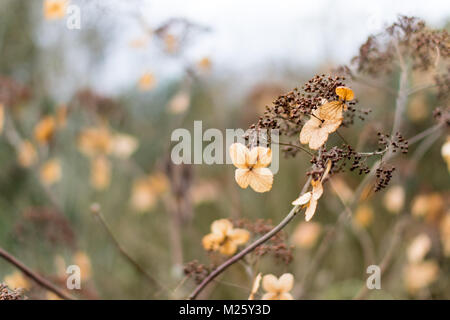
{"x": 221, "y": 227}
{"x": 239, "y": 155}
{"x": 311, "y": 209}
{"x": 303, "y": 199}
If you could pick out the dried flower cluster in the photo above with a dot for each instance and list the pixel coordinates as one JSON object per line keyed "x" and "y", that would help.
{"x": 277, "y": 246}
{"x": 410, "y": 37}
{"x": 10, "y": 294}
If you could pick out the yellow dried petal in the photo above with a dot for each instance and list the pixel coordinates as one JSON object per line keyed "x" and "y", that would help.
{"x": 45, "y": 129}
{"x": 55, "y": 9}
{"x": 261, "y": 179}
{"x": 50, "y": 172}
{"x": 27, "y": 155}
{"x": 345, "y": 93}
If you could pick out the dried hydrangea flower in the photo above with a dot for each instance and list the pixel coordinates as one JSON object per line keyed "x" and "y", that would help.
{"x": 50, "y": 172}
{"x": 55, "y": 9}
{"x": 147, "y": 82}
{"x": 310, "y": 198}
{"x": 44, "y": 130}
{"x": 224, "y": 238}
{"x": 278, "y": 288}
{"x": 251, "y": 167}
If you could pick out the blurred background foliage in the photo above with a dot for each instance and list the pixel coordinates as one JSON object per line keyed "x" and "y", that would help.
{"x": 48, "y": 69}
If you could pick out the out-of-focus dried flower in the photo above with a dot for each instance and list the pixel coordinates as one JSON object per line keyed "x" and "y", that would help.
{"x": 364, "y": 216}
{"x": 445, "y": 152}
{"x": 50, "y": 172}
{"x": 278, "y": 288}
{"x": 204, "y": 191}
{"x": 81, "y": 259}
{"x": 419, "y": 248}
{"x": 224, "y": 238}
{"x": 429, "y": 206}
{"x": 140, "y": 42}
{"x": 444, "y": 229}
{"x": 52, "y": 296}
{"x": 44, "y": 130}
{"x": 180, "y": 102}
{"x": 27, "y": 155}
{"x": 306, "y": 234}
{"x": 143, "y": 197}
{"x": 417, "y": 109}
{"x": 147, "y": 81}
{"x": 204, "y": 64}
{"x": 17, "y": 280}
{"x": 61, "y": 116}
{"x": 100, "y": 172}
{"x": 55, "y": 9}
{"x": 95, "y": 141}
{"x": 171, "y": 43}
{"x": 394, "y": 199}
{"x": 124, "y": 145}
{"x": 251, "y": 167}
{"x": 420, "y": 275}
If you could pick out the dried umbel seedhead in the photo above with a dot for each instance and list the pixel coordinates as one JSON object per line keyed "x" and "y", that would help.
{"x": 277, "y": 246}
{"x": 197, "y": 271}
{"x": 10, "y": 294}
{"x": 50, "y": 224}
{"x": 409, "y": 38}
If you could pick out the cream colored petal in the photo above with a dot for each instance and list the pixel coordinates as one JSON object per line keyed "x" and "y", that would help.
{"x": 239, "y": 236}
{"x": 261, "y": 179}
{"x": 317, "y": 189}
{"x": 270, "y": 283}
{"x": 211, "y": 241}
{"x": 260, "y": 157}
{"x": 318, "y": 138}
{"x": 239, "y": 155}
{"x": 286, "y": 282}
{"x": 221, "y": 227}
{"x": 332, "y": 125}
{"x": 255, "y": 286}
{"x": 242, "y": 177}
{"x": 270, "y": 296}
{"x": 311, "y": 209}
{"x": 228, "y": 248}
{"x": 330, "y": 110}
{"x": 327, "y": 170}
{"x": 303, "y": 199}
{"x": 285, "y": 296}
{"x": 309, "y": 129}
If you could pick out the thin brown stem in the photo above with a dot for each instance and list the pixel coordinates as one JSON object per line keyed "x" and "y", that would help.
{"x": 97, "y": 213}
{"x": 249, "y": 249}
{"x": 244, "y": 252}
{"x": 34, "y": 276}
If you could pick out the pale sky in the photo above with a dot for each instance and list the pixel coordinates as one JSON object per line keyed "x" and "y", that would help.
{"x": 247, "y": 36}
